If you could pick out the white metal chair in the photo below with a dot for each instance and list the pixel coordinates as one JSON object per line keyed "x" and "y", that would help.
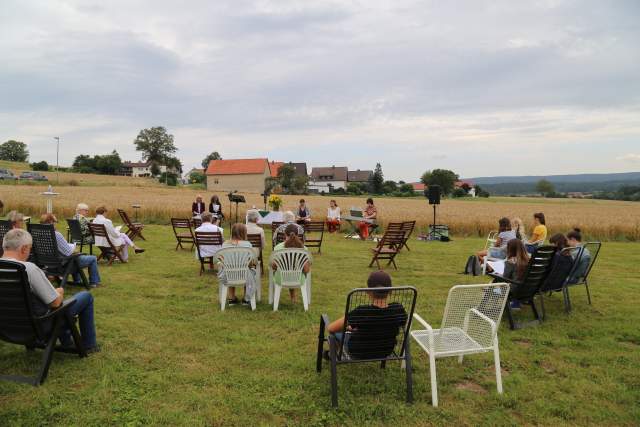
{"x": 491, "y": 241}
{"x": 235, "y": 264}
{"x": 469, "y": 325}
{"x": 289, "y": 265}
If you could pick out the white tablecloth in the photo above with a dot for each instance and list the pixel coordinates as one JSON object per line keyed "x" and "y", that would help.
{"x": 272, "y": 216}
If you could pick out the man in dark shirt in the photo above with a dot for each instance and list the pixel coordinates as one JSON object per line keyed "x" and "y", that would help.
{"x": 371, "y": 329}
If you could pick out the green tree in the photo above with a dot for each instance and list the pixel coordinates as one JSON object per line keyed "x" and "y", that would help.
{"x": 300, "y": 184}
{"x": 445, "y": 178}
{"x": 84, "y": 163}
{"x": 14, "y": 151}
{"x": 197, "y": 178}
{"x": 354, "y": 188}
{"x": 174, "y": 163}
{"x": 40, "y": 166}
{"x": 286, "y": 176}
{"x": 156, "y": 146}
{"x": 480, "y": 192}
{"x": 545, "y": 188}
{"x": 213, "y": 156}
{"x": 376, "y": 181}
{"x": 406, "y": 188}
{"x": 389, "y": 187}
{"x": 108, "y": 164}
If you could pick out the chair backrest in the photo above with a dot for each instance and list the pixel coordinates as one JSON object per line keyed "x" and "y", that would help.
{"x": 208, "y": 238}
{"x": 45, "y": 246}
{"x": 275, "y": 225}
{"x": 585, "y": 264}
{"x": 235, "y": 264}
{"x": 181, "y": 223}
{"x": 255, "y": 240}
{"x": 17, "y": 321}
{"x": 99, "y": 230}
{"x": 5, "y": 226}
{"x": 474, "y": 309}
{"x": 562, "y": 267}
{"x": 314, "y": 227}
{"x": 392, "y": 239}
{"x": 75, "y": 229}
{"x": 125, "y": 217}
{"x": 373, "y": 332}
{"x": 290, "y": 262}
{"x": 197, "y": 222}
{"x": 394, "y": 226}
{"x": 407, "y": 227}
{"x": 536, "y": 273}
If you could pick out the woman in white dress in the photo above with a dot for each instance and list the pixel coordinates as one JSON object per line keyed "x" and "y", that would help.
{"x": 117, "y": 238}
{"x": 333, "y": 216}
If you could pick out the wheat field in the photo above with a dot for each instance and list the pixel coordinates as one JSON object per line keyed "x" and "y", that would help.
{"x": 601, "y": 219}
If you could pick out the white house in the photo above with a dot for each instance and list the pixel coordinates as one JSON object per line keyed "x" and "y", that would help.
{"x": 328, "y": 178}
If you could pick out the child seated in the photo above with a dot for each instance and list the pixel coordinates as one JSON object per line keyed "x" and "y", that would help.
{"x": 371, "y": 329}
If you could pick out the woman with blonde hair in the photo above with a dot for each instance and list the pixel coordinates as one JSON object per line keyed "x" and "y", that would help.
{"x": 517, "y": 225}
{"x": 82, "y": 210}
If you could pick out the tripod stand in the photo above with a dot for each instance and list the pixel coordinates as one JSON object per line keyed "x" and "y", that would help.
{"x": 235, "y": 198}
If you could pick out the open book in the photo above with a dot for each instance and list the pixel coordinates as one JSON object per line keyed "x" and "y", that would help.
{"x": 497, "y": 266}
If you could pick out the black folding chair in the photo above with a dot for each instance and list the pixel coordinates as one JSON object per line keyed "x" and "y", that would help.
{"x": 313, "y": 234}
{"x": 207, "y": 238}
{"x": 76, "y": 236}
{"x": 47, "y": 256}
{"x": 563, "y": 264}
{"x": 370, "y": 333}
{"x": 526, "y": 290}
{"x": 183, "y": 232}
{"x": 256, "y": 242}
{"x": 19, "y": 324}
{"x": 5, "y": 226}
{"x": 580, "y": 274}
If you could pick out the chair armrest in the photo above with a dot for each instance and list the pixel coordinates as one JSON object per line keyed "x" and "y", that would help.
{"x": 485, "y": 318}
{"x": 324, "y": 324}
{"x": 420, "y": 320}
{"x": 59, "y": 310}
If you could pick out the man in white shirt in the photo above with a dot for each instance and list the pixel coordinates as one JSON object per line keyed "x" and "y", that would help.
{"x": 253, "y": 216}
{"x": 17, "y": 247}
{"x": 117, "y": 238}
{"x": 209, "y": 226}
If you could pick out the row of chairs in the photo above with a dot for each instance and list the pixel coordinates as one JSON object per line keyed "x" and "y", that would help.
{"x": 395, "y": 237}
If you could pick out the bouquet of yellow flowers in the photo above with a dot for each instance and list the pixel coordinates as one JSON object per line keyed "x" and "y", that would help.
{"x": 275, "y": 202}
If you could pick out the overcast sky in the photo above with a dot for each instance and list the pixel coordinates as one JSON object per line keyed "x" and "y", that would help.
{"x": 500, "y": 88}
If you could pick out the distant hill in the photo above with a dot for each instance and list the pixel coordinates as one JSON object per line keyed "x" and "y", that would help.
{"x": 585, "y": 183}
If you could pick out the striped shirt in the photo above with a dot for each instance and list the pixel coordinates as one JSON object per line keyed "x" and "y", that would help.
{"x": 64, "y": 247}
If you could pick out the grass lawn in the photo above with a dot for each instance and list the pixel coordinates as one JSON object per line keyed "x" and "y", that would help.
{"x": 170, "y": 357}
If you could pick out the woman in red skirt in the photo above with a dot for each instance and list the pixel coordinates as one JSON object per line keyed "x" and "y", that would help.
{"x": 370, "y": 212}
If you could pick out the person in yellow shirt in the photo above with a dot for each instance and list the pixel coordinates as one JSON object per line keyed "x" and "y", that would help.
{"x": 539, "y": 234}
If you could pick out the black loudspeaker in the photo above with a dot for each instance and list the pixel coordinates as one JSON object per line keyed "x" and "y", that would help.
{"x": 433, "y": 193}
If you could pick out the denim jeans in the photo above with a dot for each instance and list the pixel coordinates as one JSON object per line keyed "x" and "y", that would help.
{"x": 88, "y": 261}
{"x": 83, "y": 308}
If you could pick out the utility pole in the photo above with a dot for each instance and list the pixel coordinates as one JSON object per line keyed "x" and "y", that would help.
{"x": 57, "y": 138}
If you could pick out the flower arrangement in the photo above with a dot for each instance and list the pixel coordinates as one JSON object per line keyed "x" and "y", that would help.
{"x": 275, "y": 202}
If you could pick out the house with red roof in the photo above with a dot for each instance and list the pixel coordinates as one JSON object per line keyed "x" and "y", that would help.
{"x": 242, "y": 175}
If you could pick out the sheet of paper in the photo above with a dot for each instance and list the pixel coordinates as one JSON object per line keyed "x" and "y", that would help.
{"x": 118, "y": 228}
{"x": 497, "y": 266}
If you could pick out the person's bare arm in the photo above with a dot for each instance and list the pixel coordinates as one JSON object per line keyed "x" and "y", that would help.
{"x": 306, "y": 268}
{"x": 58, "y": 301}
{"x": 498, "y": 242}
{"x": 336, "y": 325}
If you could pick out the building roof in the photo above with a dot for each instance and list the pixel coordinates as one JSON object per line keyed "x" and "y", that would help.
{"x": 135, "y": 164}
{"x": 300, "y": 168}
{"x": 359, "y": 176}
{"x": 335, "y": 173}
{"x": 237, "y": 166}
{"x": 418, "y": 186}
{"x": 464, "y": 181}
{"x": 275, "y": 167}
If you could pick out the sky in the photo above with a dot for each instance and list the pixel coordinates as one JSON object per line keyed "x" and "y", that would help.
{"x": 482, "y": 88}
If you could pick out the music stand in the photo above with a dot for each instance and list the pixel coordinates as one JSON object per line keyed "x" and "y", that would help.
{"x": 235, "y": 198}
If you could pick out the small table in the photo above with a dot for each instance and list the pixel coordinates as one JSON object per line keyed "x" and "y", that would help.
{"x": 268, "y": 217}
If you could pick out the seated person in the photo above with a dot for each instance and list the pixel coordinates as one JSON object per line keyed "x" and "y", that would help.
{"x": 499, "y": 249}
{"x": 117, "y": 238}
{"x": 515, "y": 267}
{"x": 303, "y": 215}
{"x": 539, "y": 234}
{"x": 291, "y": 241}
{"x": 518, "y": 227}
{"x": 253, "y": 216}
{"x": 82, "y": 210}
{"x": 17, "y": 247}
{"x": 560, "y": 265}
{"x": 333, "y": 217}
{"x": 66, "y": 249}
{"x": 288, "y": 218}
{"x": 215, "y": 207}
{"x": 370, "y": 212}
{"x": 574, "y": 239}
{"x": 197, "y": 207}
{"x": 378, "y": 321}
{"x": 209, "y": 225}
{"x": 16, "y": 219}
{"x": 239, "y": 240}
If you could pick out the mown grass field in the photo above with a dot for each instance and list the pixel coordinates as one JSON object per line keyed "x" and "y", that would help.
{"x": 170, "y": 357}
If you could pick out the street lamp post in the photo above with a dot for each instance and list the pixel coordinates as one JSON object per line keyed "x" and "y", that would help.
{"x": 57, "y": 138}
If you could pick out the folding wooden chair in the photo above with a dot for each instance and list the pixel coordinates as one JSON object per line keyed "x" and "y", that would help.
{"x": 256, "y": 242}
{"x": 526, "y": 290}
{"x": 46, "y": 255}
{"x": 407, "y": 227}
{"x": 183, "y": 232}
{"x": 20, "y": 325}
{"x": 197, "y": 222}
{"x": 111, "y": 252}
{"x": 134, "y": 229}
{"x": 368, "y": 336}
{"x": 314, "y": 240}
{"x": 207, "y": 238}
{"x": 387, "y": 249}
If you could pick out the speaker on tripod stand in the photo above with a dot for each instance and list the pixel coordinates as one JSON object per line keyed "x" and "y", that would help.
{"x": 436, "y": 232}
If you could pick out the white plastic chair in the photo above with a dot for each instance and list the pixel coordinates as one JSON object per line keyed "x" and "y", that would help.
{"x": 469, "y": 325}
{"x": 235, "y": 266}
{"x": 289, "y": 263}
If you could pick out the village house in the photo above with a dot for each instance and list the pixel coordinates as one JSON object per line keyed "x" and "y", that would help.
{"x": 327, "y": 179}
{"x": 358, "y": 176}
{"x": 300, "y": 168}
{"x": 140, "y": 169}
{"x": 242, "y": 175}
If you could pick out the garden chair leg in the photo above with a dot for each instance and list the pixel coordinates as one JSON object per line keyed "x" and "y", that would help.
{"x": 276, "y": 297}
{"x": 409, "y": 372}
{"x": 567, "y": 300}
{"x": 305, "y": 295}
{"x": 586, "y": 285}
{"x": 223, "y": 296}
{"x": 334, "y": 371}
{"x": 496, "y": 358}
{"x": 434, "y": 382}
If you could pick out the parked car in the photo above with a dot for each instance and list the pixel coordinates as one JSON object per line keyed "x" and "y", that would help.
{"x": 7, "y": 174}
{"x": 32, "y": 176}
